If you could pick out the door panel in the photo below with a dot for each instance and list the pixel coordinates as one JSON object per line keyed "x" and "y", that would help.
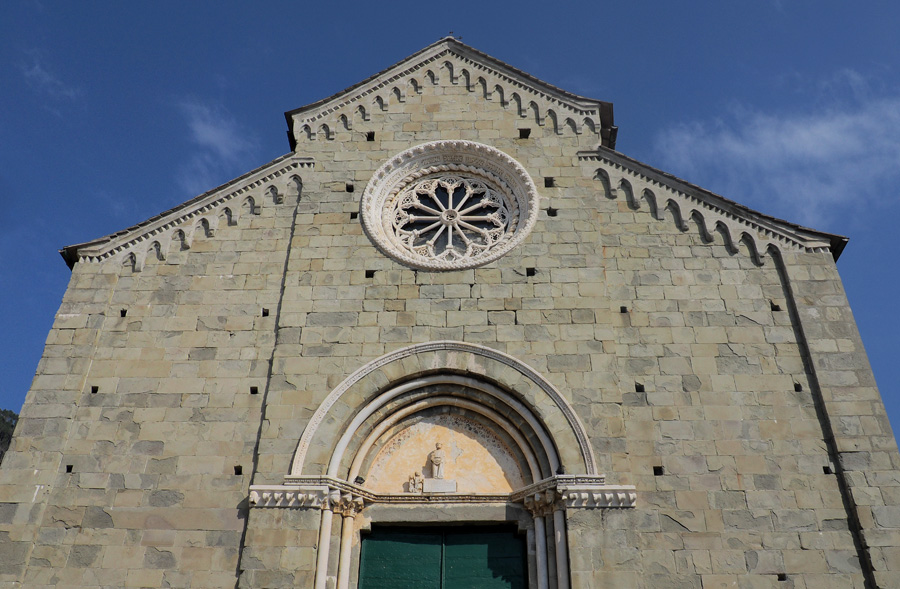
{"x": 401, "y": 559}
{"x": 470, "y": 557}
{"x": 484, "y": 560}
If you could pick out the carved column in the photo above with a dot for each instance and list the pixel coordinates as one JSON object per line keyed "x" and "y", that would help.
{"x": 325, "y": 539}
{"x": 347, "y": 507}
{"x": 537, "y": 505}
{"x": 562, "y": 546}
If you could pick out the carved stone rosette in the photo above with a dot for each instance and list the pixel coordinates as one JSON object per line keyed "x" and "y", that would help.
{"x": 449, "y": 205}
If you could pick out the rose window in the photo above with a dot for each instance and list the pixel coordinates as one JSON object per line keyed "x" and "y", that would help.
{"x": 449, "y": 205}
{"x": 450, "y": 218}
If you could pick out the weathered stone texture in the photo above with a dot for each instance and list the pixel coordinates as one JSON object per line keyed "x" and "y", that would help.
{"x": 734, "y": 394}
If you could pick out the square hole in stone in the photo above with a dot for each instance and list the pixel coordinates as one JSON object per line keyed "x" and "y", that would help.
{"x": 638, "y": 387}
{"x": 775, "y": 306}
{"x": 349, "y": 187}
{"x": 782, "y": 576}
{"x": 658, "y": 471}
{"x": 254, "y": 390}
{"x": 530, "y": 271}
{"x": 549, "y": 182}
{"x": 798, "y": 387}
{"x": 370, "y": 273}
{"x": 95, "y": 390}
{"x": 623, "y": 309}
{"x": 70, "y": 467}
{"x": 524, "y": 133}
{"x": 123, "y": 312}
{"x": 265, "y": 312}
{"x": 551, "y": 212}
{"x": 238, "y": 469}
{"x": 354, "y": 215}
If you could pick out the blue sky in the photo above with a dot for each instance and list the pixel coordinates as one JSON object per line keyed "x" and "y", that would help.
{"x": 111, "y": 112}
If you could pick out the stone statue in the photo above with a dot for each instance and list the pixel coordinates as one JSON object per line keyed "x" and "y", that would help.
{"x": 437, "y": 462}
{"x": 416, "y": 483}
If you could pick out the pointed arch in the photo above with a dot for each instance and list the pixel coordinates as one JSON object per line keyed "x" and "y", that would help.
{"x": 485, "y": 89}
{"x": 414, "y": 84}
{"x": 517, "y": 100}
{"x": 295, "y": 187}
{"x": 130, "y": 263}
{"x": 431, "y": 77}
{"x": 625, "y": 189}
{"x": 747, "y": 240}
{"x": 464, "y": 74}
{"x": 554, "y": 121}
{"x": 602, "y": 176}
{"x": 227, "y": 216}
{"x": 675, "y": 209}
{"x": 345, "y": 122}
{"x": 700, "y": 221}
{"x": 498, "y": 90}
{"x": 449, "y": 67}
{"x": 305, "y": 132}
{"x": 398, "y": 96}
{"x": 324, "y": 132}
{"x": 379, "y": 103}
{"x": 361, "y": 112}
{"x": 572, "y": 125}
{"x": 155, "y": 253}
{"x": 728, "y": 239}
{"x": 275, "y": 196}
{"x": 536, "y": 112}
{"x": 589, "y": 123}
{"x": 650, "y": 198}
{"x": 203, "y": 228}
{"x": 248, "y": 207}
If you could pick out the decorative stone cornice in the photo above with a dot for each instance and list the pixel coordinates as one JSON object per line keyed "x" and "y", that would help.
{"x": 264, "y": 185}
{"x": 624, "y": 177}
{"x": 348, "y": 499}
{"x": 574, "y": 491}
{"x": 484, "y": 76}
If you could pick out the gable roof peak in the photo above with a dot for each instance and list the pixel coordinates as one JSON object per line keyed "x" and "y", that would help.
{"x": 469, "y": 65}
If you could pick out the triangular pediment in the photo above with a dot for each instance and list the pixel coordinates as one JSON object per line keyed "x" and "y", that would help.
{"x": 454, "y": 63}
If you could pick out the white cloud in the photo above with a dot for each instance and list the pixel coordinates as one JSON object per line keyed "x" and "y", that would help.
{"x": 223, "y": 146}
{"x": 45, "y": 81}
{"x": 812, "y": 167}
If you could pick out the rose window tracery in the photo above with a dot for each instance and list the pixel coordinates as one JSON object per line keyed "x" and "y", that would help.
{"x": 449, "y": 205}
{"x": 450, "y": 218}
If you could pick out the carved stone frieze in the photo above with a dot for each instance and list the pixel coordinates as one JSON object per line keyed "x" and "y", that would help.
{"x": 540, "y": 499}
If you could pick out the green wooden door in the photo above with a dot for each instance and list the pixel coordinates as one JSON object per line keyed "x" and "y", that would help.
{"x": 447, "y": 558}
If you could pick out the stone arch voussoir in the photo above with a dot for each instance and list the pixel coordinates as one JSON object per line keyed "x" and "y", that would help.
{"x": 332, "y": 419}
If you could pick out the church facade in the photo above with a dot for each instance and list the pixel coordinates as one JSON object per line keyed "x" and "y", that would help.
{"x": 453, "y": 339}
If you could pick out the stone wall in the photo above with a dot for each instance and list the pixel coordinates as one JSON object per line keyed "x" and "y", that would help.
{"x": 727, "y": 384}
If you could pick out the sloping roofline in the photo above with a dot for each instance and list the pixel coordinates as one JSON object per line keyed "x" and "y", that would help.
{"x": 605, "y": 109}
{"x": 102, "y": 247}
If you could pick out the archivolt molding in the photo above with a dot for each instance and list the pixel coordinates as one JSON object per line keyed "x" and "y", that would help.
{"x": 571, "y": 418}
{"x": 455, "y": 63}
{"x": 197, "y": 218}
{"x": 621, "y": 177}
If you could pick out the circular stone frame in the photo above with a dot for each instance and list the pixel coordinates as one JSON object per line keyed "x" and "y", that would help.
{"x": 466, "y": 159}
